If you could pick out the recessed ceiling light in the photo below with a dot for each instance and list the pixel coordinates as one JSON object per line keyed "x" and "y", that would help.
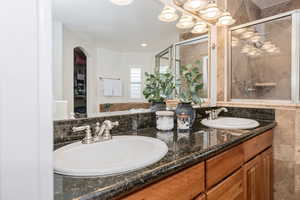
{"x": 122, "y": 2}
{"x": 144, "y": 44}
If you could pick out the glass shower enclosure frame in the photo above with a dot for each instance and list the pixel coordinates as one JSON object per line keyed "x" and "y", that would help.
{"x": 295, "y": 59}
{"x": 171, "y": 54}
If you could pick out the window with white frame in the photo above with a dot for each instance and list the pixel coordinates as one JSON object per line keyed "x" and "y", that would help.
{"x": 135, "y": 82}
{"x": 164, "y": 69}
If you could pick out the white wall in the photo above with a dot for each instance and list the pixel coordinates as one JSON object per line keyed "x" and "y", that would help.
{"x": 26, "y": 135}
{"x": 102, "y": 62}
{"x": 72, "y": 40}
{"x": 57, "y": 54}
{"x": 113, "y": 64}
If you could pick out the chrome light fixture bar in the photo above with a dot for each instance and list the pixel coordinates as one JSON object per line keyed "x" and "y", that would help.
{"x": 197, "y": 15}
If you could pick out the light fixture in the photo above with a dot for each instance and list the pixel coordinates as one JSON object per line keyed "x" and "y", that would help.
{"x": 144, "y": 44}
{"x": 255, "y": 38}
{"x": 234, "y": 41}
{"x": 122, "y": 2}
{"x": 204, "y": 10}
{"x": 185, "y": 22}
{"x": 211, "y": 12}
{"x": 195, "y": 5}
{"x": 247, "y": 34}
{"x": 226, "y": 19}
{"x": 200, "y": 27}
{"x": 168, "y": 14}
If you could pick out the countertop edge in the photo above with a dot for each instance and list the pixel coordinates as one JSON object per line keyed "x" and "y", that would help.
{"x": 136, "y": 183}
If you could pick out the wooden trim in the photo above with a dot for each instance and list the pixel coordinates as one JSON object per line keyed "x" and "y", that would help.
{"x": 124, "y": 106}
{"x": 257, "y": 144}
{"x": 231, "y": 188}
{"x": 231, "y": 160}
{"x": 201, "y": 197}
{"x": 267, "y": 167}
{"x": 185, "y": 185}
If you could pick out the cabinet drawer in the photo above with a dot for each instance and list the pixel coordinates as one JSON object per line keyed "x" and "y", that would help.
{"x": 220, "y": 166}
{"x": 257, "y": 144}
{"x": 184, "y": 185}
{"x": 231, "y": 188}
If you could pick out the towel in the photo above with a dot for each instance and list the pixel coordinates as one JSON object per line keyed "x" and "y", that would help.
{"x": 117, "y": 88}
{"x": 108, "y": 87}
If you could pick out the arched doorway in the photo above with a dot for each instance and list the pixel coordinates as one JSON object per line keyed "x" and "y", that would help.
{"x": 80, "y": 83}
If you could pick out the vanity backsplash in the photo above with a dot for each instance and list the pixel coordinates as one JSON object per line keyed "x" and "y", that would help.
{"x": 63, "y": 133}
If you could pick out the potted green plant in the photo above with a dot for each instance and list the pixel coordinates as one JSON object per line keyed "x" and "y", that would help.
{"x": 191, "y": 86}
{"x": 158, "y": 88}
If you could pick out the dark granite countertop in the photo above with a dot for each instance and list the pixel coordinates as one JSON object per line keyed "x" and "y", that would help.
{"x": 185, "y": 150}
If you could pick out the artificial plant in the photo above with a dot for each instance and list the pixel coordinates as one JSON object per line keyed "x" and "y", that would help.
{"x": 192, "y": 83}
{"x": 158, "y": 86}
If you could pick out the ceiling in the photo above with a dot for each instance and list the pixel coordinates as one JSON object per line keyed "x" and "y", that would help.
{"x": 268, "y": 3}
{"x": 121, "y": 27}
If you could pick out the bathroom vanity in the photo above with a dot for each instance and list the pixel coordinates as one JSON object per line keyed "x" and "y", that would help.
{"x": 201, "y": 164}
{"x": 241, "y": 172}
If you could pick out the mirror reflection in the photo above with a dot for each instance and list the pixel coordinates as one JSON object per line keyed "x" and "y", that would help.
{"x": 101, "y": 52}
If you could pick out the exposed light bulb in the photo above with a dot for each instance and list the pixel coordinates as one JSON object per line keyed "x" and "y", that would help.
{"x": 168, "y": 14}
{"x": 122, "y": 2}
{"x": 144, "y": 45}
{"x": 211, "y": 12}
{"x": 226, "y": 19}
{"x": 185, "y": 22}
{"x": 247, "y": 34}
{"x": 195, "y": 5}
{"x": 200, "y": 27}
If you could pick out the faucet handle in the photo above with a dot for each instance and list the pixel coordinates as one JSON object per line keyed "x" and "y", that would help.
{"x": 208, "y": 112}
{"x": 211, "y": 114}
{"x": 116, "y": 123}
{"x": 88, "y": 139}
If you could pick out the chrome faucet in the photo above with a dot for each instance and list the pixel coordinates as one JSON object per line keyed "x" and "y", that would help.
{"x": 88, "y": 139}
{"x": 101, "y": 133}
{"x": 218, "y": 111}
{"x": 214, "y": 114}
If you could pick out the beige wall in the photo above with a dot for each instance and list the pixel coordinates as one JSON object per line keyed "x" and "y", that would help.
{"x": 287, "y": 132}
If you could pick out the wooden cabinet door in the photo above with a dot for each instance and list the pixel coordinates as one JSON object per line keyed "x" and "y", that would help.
{"x": 229, "y": 189}
{"x": 201, "y": 197}
{"x": 258, "y": 177}
{"x": 267, "y": 174}
{"x": 185, "y": 185}
{"x": 253, "y": 179}
{"x": 222, "y": 165}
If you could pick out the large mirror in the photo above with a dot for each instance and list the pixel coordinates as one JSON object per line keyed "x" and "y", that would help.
{"x": 101, "y": 52}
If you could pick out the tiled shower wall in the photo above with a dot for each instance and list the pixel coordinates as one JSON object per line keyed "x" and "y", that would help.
{"x": 287, "y": 132}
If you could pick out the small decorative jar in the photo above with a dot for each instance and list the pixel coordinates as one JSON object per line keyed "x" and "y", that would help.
{"x": 165, "y": 120}
{"x": 183, "y": 122}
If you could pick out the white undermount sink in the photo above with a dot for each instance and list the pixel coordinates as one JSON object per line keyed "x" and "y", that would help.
{"x": 119, "y": 155}
{"x": 230, "y": 123}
